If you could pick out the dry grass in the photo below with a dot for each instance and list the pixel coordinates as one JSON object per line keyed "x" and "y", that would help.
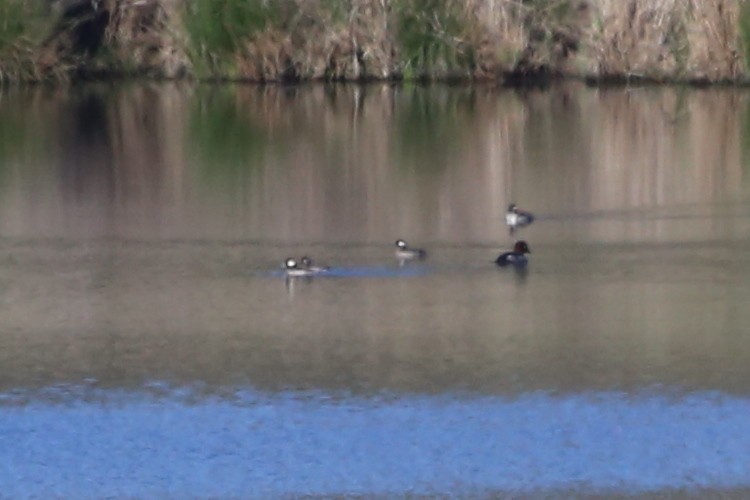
{"x": 290, "y": 40}
{"x": 320, "y": 44}
{"x": 106, "y": 37}
{"x": 499, "y": 38}
{"x": 143, "y": 34}
{"x": 664, "y": 40}
{"x": 714, "y": 40}
{"x": 350, "y": 42}
{"x": 383, "y": 39}
{"x": 21, "y": 23}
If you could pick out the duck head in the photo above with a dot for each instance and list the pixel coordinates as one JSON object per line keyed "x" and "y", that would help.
{"x": 521, "y": 247}
{"x": 290, "y": 263}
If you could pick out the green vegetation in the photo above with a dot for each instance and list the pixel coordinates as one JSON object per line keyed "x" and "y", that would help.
{"x": 291, "y": 40}
{"x": 218, "y": 29}
{"x": 22, "y": 26}
{"x": 431, "y": 38}
{"x": 12, "y": 25}
{"x": 677, "y": 40}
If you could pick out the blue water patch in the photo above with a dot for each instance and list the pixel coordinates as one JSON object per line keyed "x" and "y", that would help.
{"x": 361, "y": 272}
{"x": 251, "y": 444}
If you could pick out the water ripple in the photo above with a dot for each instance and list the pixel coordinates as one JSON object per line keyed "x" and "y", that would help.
{"x": 134, "y": 443}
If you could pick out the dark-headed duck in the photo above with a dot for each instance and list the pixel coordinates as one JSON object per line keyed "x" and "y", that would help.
{"x": 515, "y": 258}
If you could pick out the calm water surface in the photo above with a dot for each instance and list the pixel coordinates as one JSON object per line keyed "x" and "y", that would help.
{"x": 151, "y": 347}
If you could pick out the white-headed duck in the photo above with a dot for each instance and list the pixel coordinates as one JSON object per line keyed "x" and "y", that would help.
{"x": 515, "y": 217}
{"x": 403, "y": 252}
{"x": 293, "y": 269}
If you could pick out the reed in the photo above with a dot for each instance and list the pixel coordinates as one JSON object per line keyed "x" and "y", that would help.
{"x": 302, "y": 40}
{"x": 293, "y": 40}
{"x": 665, "y": 40}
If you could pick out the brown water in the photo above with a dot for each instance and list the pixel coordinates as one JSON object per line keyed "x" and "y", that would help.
{"x": 142, "y": 230}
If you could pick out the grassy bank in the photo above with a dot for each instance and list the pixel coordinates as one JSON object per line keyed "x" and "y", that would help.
{"x": 22, "y": 26}
{"x": 510, "y": 41}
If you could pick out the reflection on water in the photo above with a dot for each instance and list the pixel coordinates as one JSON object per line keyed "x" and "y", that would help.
{"x": 143, "y": 229}
{"x": 343, "y": 164}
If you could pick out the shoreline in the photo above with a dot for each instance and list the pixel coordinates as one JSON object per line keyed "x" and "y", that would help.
{"x": 591, "y": 81}
{"x": 510, "y": 43}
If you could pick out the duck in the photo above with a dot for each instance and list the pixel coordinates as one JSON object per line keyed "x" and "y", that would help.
{"x": 293, "y": 269}
{"x": 515, "y": 217}
{"x": 517, "y": 257}
{"x": 403, "y": 252}
{"x": 307, "y": 263}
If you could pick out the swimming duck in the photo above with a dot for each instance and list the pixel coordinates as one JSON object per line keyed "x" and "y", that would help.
{"x": 307, "y": 263}
{"x": 403, "y": 252}
{"x": 293, "y": 269}
{"x": 515, "y": 258}
{"x": 515, "y": 217}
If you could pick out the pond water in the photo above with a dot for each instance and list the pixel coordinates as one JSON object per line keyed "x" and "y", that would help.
{"x": 151, "y": 346}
